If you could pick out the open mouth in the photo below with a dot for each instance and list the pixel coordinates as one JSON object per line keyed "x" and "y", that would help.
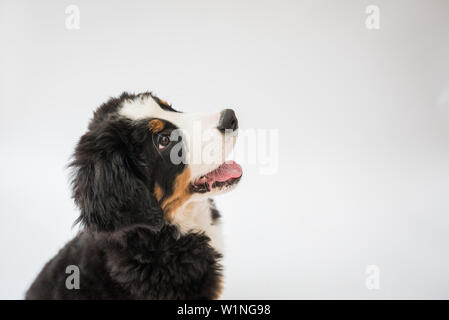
{"x": 226, "y": 175}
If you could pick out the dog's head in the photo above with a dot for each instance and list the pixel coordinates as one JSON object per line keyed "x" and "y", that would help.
{"x": 141, "y": 161}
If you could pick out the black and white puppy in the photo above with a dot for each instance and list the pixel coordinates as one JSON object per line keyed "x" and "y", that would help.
{"x": 143, "y": 178}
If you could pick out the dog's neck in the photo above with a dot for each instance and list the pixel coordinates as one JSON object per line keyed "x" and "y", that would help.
{"x": 196, "y": 217}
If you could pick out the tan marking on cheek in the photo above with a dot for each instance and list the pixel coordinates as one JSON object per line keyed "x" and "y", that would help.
{"x": 181, "y": 193}
{"x": 156, "y": 125}
{"x": 158, "y": 193}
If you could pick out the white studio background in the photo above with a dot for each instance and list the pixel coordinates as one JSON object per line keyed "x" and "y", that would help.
{"x": 362, "y": 117}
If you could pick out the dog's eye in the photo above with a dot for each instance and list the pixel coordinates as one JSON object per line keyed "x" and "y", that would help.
{"x": 163, "y": 141}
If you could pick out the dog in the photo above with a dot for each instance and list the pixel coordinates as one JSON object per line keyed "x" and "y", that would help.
{"x": 148, "y": 226}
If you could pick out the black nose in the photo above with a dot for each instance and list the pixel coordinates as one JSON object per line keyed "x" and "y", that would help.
{"x": 228, "y": 120}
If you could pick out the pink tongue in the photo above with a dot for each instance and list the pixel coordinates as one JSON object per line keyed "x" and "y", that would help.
{"x": 226, "y": 171}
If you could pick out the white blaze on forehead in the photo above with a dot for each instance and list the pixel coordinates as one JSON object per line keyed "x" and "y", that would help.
{"x": 146, "y": 107}
{"x": 142, "y": 107}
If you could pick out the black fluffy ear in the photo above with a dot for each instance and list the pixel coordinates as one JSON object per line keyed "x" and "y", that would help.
{"x": 110, "y": 182}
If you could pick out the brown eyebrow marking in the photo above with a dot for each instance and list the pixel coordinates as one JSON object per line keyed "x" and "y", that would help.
{"x": 164, "y": 102}
{"x": 156, "y": 125}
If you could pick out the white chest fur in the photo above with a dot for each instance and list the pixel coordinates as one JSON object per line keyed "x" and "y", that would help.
{"x": 196, "y": 216}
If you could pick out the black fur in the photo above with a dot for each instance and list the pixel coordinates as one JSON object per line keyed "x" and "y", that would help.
{"x": 112, "y": 175}
{"x": 213, "y": 211}
{"x": 125, "y": 249}
{"x": 134, "y": 263}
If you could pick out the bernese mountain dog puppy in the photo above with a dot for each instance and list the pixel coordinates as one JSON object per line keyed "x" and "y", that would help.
{"x": 149, "y": 228}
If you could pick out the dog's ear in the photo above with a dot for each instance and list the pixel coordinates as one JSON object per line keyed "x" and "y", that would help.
{"x": 110, "y": 182}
